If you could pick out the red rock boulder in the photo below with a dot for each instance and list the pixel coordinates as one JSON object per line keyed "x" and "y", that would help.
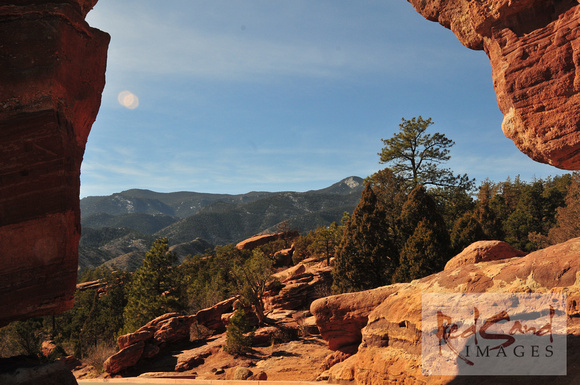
{"x": 340, "y": 318}
{"x": 483, "y": 251}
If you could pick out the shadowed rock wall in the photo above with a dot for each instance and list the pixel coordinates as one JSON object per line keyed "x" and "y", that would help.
{"x": 52, "y": 72}
{"x": 534, "y": 50}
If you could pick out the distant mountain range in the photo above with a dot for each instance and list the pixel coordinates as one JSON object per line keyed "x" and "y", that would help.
{"x": 120, "y": 228}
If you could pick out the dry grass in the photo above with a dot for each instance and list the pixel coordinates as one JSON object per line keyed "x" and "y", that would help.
{"x": 98, "y": 354}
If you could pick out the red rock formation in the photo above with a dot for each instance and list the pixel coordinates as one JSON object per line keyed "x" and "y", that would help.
{"x": 390, "y": 351}
{"x": 164, "y": 330}
{"x": 483, "y": 251}
{"x": 259, "y": 240}
{"x": 534, "y": 49}
{"x": 52, "y": 71}
{"x": 124, "y": 358}
{"x": 340, "y": 318}
{"x": 297, "y": 286}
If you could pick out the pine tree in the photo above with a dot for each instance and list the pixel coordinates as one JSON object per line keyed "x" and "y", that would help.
{"x": 426, "y": 245}
{"x": 237, "y": 341}
{"x": 153, "y": 289}
{"x": 466, "y": 230}
{"x": 421, "y": 254}
{"x": 251, "y": 276}
{"x": 366, "y": 256}
{"x": 567, "y": 217}
{"x": 416, "y": 156}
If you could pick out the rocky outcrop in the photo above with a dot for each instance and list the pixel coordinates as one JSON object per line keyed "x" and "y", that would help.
{"x": 340, "y": 318}
{"x": 533, "y": 47}
{"x": 52, "y": 75}
{"x": 390, "y": 351}
{"x": 483, "y": 251}
{"x": 260, "y": 240}
{"x": 296, "y": 287}
{"x": 150, "y": 339}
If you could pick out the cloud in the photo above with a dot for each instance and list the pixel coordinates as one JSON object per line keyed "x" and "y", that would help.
{"x": 280, "y": 46}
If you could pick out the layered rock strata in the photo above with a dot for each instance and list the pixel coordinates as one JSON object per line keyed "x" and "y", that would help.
{"x": 152, "y": 338}
{"x": 534, "y": 50}
{"x": 52, "y": 71}
{"x": 390, "y": 349}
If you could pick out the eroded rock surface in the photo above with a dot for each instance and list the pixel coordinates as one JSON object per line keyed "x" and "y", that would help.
{"x": 52, "y": 71}
{"x": 534, "y": 50}
{"x": 150, "y": 339}
{"x": 390, "y": 352}
{"x": 483, "y": 251}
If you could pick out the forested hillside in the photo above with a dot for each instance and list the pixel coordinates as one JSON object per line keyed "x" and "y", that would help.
{"x": 120, "y": 228}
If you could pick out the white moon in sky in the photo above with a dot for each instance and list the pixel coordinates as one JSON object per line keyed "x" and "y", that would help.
{"x": 128, "y": 100}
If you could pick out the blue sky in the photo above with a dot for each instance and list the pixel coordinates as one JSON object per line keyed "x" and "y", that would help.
{"x": 237, "y": 96}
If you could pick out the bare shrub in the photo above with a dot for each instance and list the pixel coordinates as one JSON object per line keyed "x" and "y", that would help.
{"x": 98, "y": 354}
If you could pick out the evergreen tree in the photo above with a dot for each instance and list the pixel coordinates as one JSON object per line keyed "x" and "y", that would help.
{"x": 390, "y": 190}
{"x": 153, "y": 290}
{"x": 251, "y": 277}
{"x": 416, "y": 156}
{"x": 365, "y": 258}
{"x": 325, "y": 241}
{"x": 237, "y": 342}
{"x": 568, "y": 216}
{"x": 466, "y": 230}
{"x": 422, "y": 254}
{"x": 484, "y": 213}
{"x": 420, "y": 222}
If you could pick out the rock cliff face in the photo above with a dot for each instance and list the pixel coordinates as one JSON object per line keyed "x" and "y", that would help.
{"x": 52, "y": 71}
{"x": 534, "y": 49}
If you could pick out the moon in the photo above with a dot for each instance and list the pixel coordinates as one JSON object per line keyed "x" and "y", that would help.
{"x": 128, "y": 100}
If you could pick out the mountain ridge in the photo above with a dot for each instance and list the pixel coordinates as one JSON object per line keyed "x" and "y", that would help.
{"x": 216, "y": 219}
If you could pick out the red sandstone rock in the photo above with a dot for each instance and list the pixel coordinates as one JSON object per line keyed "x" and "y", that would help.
{"x": 284, "y": 257}
{"x": 211, "y": 317}
{"x": 534, "y": 51}
{"x": 173, "y": 330}
{"x": 124, "y": 358}
{"x": 47, "y": 348}
{"x": 52, "y": 75}
{"x": 340, "y": 318}
{"x": 259, "y": 240}
{"x": 299, "y": 287}
{"x": 483, "y": 251}
{"x": 390, "y": 351}
{"x": 132, "y": 338}
{"x": 189, "y": 359}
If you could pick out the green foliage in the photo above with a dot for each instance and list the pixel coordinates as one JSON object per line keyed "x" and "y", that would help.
{"x": 320, "y": 243}
{"x": 27, "y": 336}
{"x": 97, "y": 314}
{"x": 206, "y": 278}
{"x": 366, "y": 254}
{"x": 390, "y": 190}
{"x": 422, "y": 255}
{"x": 466, "y": 230}
{"x": 237, "y": 342}
{"x": 426, "y": 240}
{"x": 416, "y": 156}
{"x": 251, "y": 276}
{"x": 154, "y": 289}
{"x": 567, "y": 216}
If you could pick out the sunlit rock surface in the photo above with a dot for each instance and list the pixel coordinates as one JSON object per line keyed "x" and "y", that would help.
{"x": 534, "y": 49}
{"x": 390, "y": 351}
{"x": 52, "y": 71}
